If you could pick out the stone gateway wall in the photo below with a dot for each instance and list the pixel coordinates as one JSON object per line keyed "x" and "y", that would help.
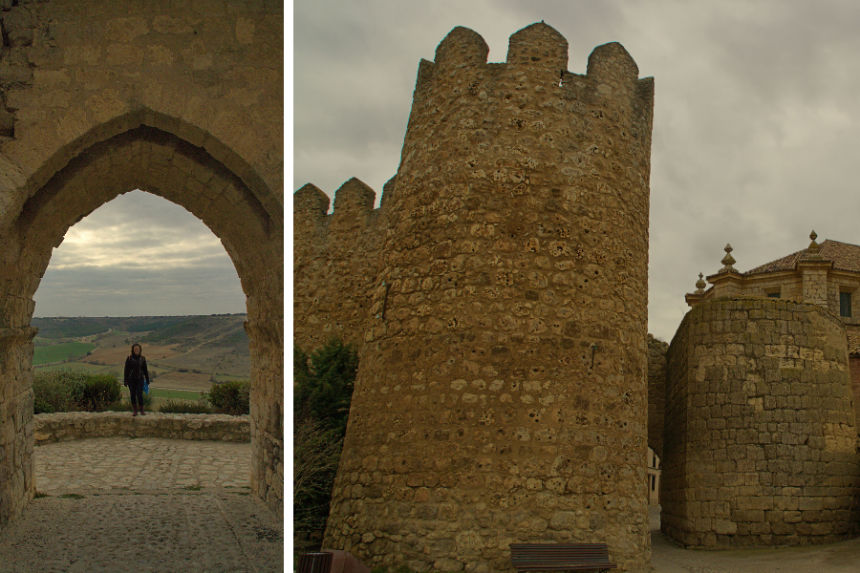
{"x": 180, "y": 99}
{"x": 501, "y": 392}
{"x": 760, "y": 436}
{"x": 656, "y": 393}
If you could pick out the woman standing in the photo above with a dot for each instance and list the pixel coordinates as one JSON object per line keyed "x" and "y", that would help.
{"x": 136, "y": 375}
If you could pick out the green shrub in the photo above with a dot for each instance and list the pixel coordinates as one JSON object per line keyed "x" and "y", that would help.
{"x": 183, "y": 407}
{"x": 232, "y": 397}
{"x": 98, "y": 392}
{"x": 57, "y": 390}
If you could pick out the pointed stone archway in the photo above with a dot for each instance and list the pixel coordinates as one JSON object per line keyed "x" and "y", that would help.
{"x": 183, "y": 100}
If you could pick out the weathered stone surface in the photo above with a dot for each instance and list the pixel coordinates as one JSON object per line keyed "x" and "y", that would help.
{"x": 499, "y": 300}
{"x": 760, "y": 442}
{"x": 64, "y": 426}
{"x": 656, "y": 392}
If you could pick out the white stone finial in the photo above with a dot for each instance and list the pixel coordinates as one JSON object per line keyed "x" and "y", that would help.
{"x": 728, "y": 260}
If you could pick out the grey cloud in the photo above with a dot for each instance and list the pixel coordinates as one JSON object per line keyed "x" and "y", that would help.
{"x": 130, "y": 292}
{"x": 139, "y": 254}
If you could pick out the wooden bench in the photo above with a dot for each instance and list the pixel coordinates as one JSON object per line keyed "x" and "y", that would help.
{"x": 560, "y": 556}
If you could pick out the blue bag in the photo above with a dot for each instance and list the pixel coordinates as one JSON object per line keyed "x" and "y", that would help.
{"x": 146, "y": 386}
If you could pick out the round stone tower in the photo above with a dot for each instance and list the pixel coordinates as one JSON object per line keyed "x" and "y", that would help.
{"x": 760, "y": 441}
{"x": 501, "y": 394}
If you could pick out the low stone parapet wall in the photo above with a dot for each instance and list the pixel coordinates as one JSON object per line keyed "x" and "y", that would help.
{"x": 65, "y": 426}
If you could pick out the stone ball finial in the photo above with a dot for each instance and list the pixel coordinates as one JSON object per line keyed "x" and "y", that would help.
{"x": 814, "y": 248}
{"x": 728, "y": 260}
{"x": 700, "y": 284}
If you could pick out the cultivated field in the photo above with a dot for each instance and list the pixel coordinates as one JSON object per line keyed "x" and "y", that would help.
{"x": 185, "y": 354}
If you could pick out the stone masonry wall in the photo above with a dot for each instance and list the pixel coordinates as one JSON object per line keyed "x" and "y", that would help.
{"x": 16, "y": 423}
{"x": 501, "y": 392}
{"x": 336, "y": 262}
{"x": 656, "y": 393}
{"x": 66, "y": 426}
{"x": 815, "y": 285}
{"x": 760, "y": 438}
{"x": 854, "y": 369}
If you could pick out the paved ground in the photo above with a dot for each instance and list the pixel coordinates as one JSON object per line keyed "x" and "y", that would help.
{"x": 146, "y": 504}
{"x": 669, "y": 558}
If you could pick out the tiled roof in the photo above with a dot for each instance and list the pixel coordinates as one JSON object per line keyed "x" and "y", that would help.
{"x": 845, "y": 256}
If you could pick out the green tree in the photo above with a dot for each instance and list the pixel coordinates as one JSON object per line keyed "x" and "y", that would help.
{"x": 323, "y": 388}
{"x": 322, "y": 385}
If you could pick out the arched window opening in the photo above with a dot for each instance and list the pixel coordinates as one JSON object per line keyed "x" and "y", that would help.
{"x": 139, "y": 255}
{"x": 143, "y": 269}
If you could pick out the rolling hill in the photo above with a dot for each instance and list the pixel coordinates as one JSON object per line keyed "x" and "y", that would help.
{"x": 183, "y": 352}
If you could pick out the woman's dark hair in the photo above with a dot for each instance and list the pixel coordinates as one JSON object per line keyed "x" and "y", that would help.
{"x": 139, "y": 346}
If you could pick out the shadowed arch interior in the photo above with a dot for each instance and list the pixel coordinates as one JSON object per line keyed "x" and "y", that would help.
{"x": 170, "y": 127}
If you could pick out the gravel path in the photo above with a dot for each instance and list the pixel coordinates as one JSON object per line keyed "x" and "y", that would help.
{"x": 120, "y": 504}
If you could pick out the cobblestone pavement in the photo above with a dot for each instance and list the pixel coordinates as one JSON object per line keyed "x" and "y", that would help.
{"x": 141, "y": 464}
{"x": 145, "y": 504}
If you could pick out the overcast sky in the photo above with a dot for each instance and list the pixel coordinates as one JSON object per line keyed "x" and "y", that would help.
{"x": 139, "y": 255}
{"x": 757, "y": 110}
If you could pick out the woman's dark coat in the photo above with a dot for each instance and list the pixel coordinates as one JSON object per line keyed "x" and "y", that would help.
{"x": 135, "y": 370}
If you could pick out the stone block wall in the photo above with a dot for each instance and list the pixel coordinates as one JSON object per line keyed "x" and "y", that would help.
{"x": 854, "y": 368}
{"x": 656, "y": 393}
{"x": 760, "y": 438}
{"x": 815, "y": 285}
{"x": 16, "y": 423}
{"x": 790, "y": 288}
{"x": 64, "y": 426}
{"x": 501, "y": 395}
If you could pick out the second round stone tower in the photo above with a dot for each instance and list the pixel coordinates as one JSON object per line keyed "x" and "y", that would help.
{"x": 501, "y": 395}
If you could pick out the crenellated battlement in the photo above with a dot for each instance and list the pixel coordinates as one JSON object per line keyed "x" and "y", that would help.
{"x": 310, "y": 203}
{"x": 461, "y": 47}
{"x": 340, "y": 249}
{"x": 539, "y": 46}
{"x": 353, "y": 205}
{"x": 353, "y": 197}
{"x": 611, "y": 62}
{"x": 538, "y": 56}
